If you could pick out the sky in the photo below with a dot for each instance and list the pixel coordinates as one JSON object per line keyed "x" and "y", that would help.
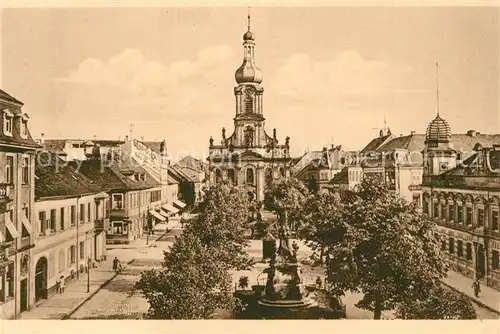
{"x": 331, "y": 74}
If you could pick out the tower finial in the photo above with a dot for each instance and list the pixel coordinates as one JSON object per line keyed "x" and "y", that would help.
{"x": 437, "y": 88}
{"x": 248, "y": 18}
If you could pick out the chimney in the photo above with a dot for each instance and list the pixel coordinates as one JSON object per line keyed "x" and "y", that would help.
{"x": 142, "y": 139}
{"x": 126, "y": 138}
{"x": 471, "y": 133}
{"x": 42, "y": 139}
{"x": 412, "y": 133}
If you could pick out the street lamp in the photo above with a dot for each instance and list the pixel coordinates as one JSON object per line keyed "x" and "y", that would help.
{"x": 88, "y": 274}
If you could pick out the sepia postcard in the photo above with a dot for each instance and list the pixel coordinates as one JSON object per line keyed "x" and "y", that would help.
{"x": 253, "y": 161}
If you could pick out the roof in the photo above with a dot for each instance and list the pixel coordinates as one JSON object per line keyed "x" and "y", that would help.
{"x": 108, "y": 142}
{"x": 341, "y": 177}
{"x": 179, "y": 175}
{"x": 193, "y": 162}
{"x": 152, "y": 145}
{"x": 375, "y": 143}
{"x": 54, "y": 178}
{"x": 54, "y": 145}
{"x": 438, "y": 130}
{"x": 5, "y": 96}
{"x": 115, "y": 175}
{"x": 416, "y": 142}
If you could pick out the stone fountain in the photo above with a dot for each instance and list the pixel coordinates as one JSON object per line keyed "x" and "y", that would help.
{"x": 284, "y": 291}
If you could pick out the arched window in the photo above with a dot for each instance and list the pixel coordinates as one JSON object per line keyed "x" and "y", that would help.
{"x": 218, "y": 175}
{"x": 250, "y": 176}
{"x": 269, "y": 174}
{"x": 230, "y": 175}
{"x": 282, "y": 172}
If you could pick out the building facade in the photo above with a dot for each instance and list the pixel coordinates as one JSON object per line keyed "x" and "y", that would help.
{"x": 17, "y": 197}
{"x": 461, "y": 192}
{"x": 249, "y": 156}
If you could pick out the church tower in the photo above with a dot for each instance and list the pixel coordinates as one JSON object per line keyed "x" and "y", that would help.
{"x": 249, "y": 156}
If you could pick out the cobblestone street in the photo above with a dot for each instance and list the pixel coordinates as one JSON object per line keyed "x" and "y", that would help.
{"x": 119, "y": 299}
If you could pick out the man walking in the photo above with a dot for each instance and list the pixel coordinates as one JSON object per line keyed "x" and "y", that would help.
{"x": 477, "y": 287}
{"x": 62, "y": 284}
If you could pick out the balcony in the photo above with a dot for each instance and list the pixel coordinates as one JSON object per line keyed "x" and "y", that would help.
{"x": 101, "y": 224}
{"x": 25, "y": 242}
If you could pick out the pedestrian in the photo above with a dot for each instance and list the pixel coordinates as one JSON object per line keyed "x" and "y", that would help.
{"x": 477, "y": 287}
{"x": 62, "y": 284}
{"x": 58, "y": 285}
{"x": 116, "y": 263}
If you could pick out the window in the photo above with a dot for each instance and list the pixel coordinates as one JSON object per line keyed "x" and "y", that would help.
{"x": 72, "y": 254}
{"x": 469, "y": 251}
{"x": 9, "y": 280}
{"x": 269, "y": 175}
{"x": 82, "y": 250}
{"x": 53, "y": 219}
{"x": 88, "y": 212}
{"x": 425, "y": 208}
{"x": 459, "y": 214}
{"x": 118, "y": 228}
{"x": 443, "y": 244}
{"x": 416, "y": 199}
{"x": 26, "y": 170}
{"x": 117, "y": 201}
{"x": 218, "y": 175}
{"x": 62, "y": 262}
{"x": 451, "y": 246}
{"x": 42, "y": 223}
{"x": 9, "y": 170}
{"x": 230, "y": 175}
{"x": 250, "y": 176}
{"x": 469, "y": 216}
{"x": 8, "y": 118}
{"x": 480, "y": 217}
{"x": 248, "y": 104}
{"x": 494, "y": 220}
{"x": 24, "y": 128}
{"x": 73, "y": 215}
{"x": 82, "y": 213}
{"x": 61, "y": 220}
{"x": 282, "y": 172}
{"x": 495, "y": 260}
{"x": 436, "y": 210}
{"x": 460, "y": 248}
{"x": 451, "y": 212}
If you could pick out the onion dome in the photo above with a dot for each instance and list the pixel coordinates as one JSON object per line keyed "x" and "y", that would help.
{"x": 248, "y": 73}
{"x": 249, "y": 36}
{"x": 438, "y": 131}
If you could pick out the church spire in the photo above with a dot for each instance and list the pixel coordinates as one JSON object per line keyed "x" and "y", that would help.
{"x": 248, "y": 72}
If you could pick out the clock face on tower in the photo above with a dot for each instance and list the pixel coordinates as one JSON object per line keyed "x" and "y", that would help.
{"x": 444, "y": 166}
{"x": 249, "y": 91}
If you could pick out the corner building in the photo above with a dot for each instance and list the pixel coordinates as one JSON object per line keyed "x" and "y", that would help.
{"x": 461, "y": 192}
{"x": 249, "y": 156}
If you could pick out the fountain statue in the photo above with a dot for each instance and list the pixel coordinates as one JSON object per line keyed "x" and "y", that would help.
{"x": 284, "y": 287}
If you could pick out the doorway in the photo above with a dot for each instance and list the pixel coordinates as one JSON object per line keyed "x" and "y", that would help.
{"x": 41, "y": 279}
{"x": 480, "y": 261}
{"x": 24, "y": 295}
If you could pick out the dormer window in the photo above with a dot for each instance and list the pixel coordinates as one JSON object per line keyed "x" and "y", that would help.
{"x": 24, "y": 125}
{"x": 8, "y": 118}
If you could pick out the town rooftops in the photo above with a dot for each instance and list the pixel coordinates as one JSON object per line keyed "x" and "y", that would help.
{"x": 118, "y": 174}
{"x": 56, "y": 179}
{"x": 193, "y": 162}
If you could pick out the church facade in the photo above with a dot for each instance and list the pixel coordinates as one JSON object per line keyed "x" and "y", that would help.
{"x": 249, "y": 156}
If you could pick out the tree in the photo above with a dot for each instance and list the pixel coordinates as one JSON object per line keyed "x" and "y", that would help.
{"x": 222, "y": 221}
{"x": 192, "y": 285}
{"x": 376, "y": 243}
{"x": 285, "y": 196}
{"x": 442, "y": 303}
{"x": 195, "y": 279}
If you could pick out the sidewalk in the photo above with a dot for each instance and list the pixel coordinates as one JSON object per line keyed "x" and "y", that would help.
{"x": 61, "y": 306}
{"x": 488, "y": 298}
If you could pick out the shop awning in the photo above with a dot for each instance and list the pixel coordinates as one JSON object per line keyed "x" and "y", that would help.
{"x": 170, "y": 208}
{"x": 180, "y": 204}
{"x": 156, "y": 215}
{"x": 11, "y": 228}
{"x": 163, "y": 213}
{"x": 27, "y": 225}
